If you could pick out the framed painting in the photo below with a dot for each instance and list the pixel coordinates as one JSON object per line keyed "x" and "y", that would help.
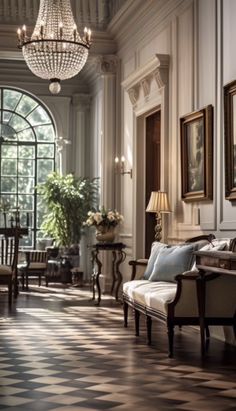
{"x": 230, "y": 140}
{"x": 196, "y": 132}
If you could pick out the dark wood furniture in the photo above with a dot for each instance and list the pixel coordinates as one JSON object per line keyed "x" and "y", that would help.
{"x": 176, "y": 312}
{"x": 58, "y": 271}
{"x": 9, "y": 245}
{"x": 35, "y": 265}
{"x": 212, "y": 265}
{"x": 118, "y": 256}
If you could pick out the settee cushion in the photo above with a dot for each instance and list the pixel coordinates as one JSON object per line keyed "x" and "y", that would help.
{"x": 155, "y": 295}
{"x": 156, "y": 248}
{"x": 172, "y": 261}
{"x": 5, "y": 269}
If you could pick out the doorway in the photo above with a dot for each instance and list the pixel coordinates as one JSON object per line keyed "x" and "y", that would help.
{"x": 153, "y": 171}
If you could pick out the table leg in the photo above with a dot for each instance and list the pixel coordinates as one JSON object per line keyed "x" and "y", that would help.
{"x": 121, "y": 258}
{"x": 99, "y": 270}
{"x": 201, "y": 308}
{"x": 93, "y": 274}
{"x": 113, "y": 271}
{"x": 15, "y": 285}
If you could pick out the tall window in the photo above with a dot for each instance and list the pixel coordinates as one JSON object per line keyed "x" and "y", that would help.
{"x": 27, "y": 156}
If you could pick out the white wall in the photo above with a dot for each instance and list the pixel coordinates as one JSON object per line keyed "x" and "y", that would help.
{"x": 199, "y": 36}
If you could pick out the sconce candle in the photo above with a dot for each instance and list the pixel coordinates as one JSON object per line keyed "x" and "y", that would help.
{"x": 120, "y": 166}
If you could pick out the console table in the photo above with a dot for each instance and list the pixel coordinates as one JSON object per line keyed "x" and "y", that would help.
{"x": 118, "y": 256}
{"x": 211, "y": 265}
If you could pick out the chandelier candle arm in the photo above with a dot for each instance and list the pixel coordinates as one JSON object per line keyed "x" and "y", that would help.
{"x": 55, "y": 51}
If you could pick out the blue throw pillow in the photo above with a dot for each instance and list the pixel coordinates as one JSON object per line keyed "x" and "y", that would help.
{"x": 172, "y": 261}
{"x": 156, "y": 248}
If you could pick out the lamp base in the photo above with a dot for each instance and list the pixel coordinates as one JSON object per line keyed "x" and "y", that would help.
{"x": 158, "y": 227}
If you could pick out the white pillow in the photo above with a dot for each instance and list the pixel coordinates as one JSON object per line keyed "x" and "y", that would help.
{"x": 222, "y": 241}
{"x": 209, "y": 247}
{"x": 155, "y": 250}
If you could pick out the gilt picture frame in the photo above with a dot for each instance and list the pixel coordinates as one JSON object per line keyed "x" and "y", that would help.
{"x": 230, "y": 140}
{"x": 196, "y": 133}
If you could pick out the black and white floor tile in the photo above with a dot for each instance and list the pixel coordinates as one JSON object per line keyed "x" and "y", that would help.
{"x": 60, "y": 352}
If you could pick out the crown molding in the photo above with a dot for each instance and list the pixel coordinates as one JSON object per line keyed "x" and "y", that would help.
{"x": 155, "y": 15}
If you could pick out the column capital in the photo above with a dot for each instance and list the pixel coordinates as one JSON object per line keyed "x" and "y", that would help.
{"x": 107, "y": 64}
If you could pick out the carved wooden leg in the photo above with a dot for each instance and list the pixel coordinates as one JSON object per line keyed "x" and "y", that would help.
{"x": 26, "y": 281}
{"x": 119, "y": 278}
{"x": 15, "y": 285}
{"x": 136, "y": 316}
{"x": 113, "y": 271}
{"x": 23, "y": 280}
{"x": 207, "y": 332}
{"x": 99, "y": 270}
{"x": 149, "y": 329}
{"x": 170, "y": 332}
{"x": 125, "y": 308}
{"x": 10, "y": 293}
{"x": 234, "y": 326}
{"x": 201, "y": 309}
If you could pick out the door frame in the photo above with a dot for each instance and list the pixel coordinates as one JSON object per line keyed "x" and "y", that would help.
{"x": 147, "y": 88}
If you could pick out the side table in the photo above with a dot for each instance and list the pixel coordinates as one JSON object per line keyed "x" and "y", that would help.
{"x": 118, "y": 256}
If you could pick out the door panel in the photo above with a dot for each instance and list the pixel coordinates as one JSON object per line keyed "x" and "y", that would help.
{"x": 153, "y": 131}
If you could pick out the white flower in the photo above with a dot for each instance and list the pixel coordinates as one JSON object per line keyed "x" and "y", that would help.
{"x": 104, "y": 218}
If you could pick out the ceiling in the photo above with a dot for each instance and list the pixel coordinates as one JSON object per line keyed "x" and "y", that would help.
{"x": 95, "y": 14}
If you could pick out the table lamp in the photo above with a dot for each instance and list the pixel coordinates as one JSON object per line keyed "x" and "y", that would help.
{"x": 158, "y": 204}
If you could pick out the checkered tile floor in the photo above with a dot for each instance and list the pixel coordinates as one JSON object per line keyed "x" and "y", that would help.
{"x": 60, "y": 352}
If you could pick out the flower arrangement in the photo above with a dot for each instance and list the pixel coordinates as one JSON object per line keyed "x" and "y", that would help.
{"x": 104, "y": 218}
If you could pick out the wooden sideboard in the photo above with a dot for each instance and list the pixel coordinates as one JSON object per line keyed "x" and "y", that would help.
{"x": 212, "y": 265}
{"x": 222, "y": 262}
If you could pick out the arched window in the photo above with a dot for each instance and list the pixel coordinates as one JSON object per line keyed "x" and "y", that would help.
{"x": 27, "y": 155}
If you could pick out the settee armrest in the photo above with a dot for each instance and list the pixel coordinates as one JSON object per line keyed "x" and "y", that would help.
{"x": 185, "y": 303}
{"x": 138, "y": 268}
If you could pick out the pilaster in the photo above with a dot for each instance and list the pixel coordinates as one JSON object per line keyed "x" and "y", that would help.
{"x": 81, "y": 107}
{"x": 106, "y": 68}
{"x": 107, "y": 71}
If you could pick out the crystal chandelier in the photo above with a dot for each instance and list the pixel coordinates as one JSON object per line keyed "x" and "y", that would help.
{"x": 55, "y": 51}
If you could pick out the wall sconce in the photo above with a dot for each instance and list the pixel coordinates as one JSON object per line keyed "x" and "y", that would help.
{"x": 158, "y": 204}
{"x": 120, "y": 167}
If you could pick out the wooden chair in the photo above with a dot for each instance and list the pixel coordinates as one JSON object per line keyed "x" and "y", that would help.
{"x": 34, "y": 265}
{"x": 9, "y": 243}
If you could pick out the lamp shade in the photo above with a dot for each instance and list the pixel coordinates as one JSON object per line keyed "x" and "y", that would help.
{"x": 158, "y": 203}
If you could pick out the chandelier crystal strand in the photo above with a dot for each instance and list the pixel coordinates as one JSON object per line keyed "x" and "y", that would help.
{"x": 55, "y": 51}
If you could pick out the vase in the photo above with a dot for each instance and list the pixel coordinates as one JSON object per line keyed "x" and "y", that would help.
{"x": 105, "y": 234}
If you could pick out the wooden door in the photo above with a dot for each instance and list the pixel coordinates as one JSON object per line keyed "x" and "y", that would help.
{"x": 153, "y": 169}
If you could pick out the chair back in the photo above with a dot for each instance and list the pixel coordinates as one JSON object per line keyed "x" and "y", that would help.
{"x": 37, "y": 256}
{"x": 7, "y": 250}
{"x": 9, "y": 245}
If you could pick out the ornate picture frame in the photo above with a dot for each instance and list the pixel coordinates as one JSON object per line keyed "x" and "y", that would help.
{"x": 230, "y": 140}
{"x": 196, "y": 133}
